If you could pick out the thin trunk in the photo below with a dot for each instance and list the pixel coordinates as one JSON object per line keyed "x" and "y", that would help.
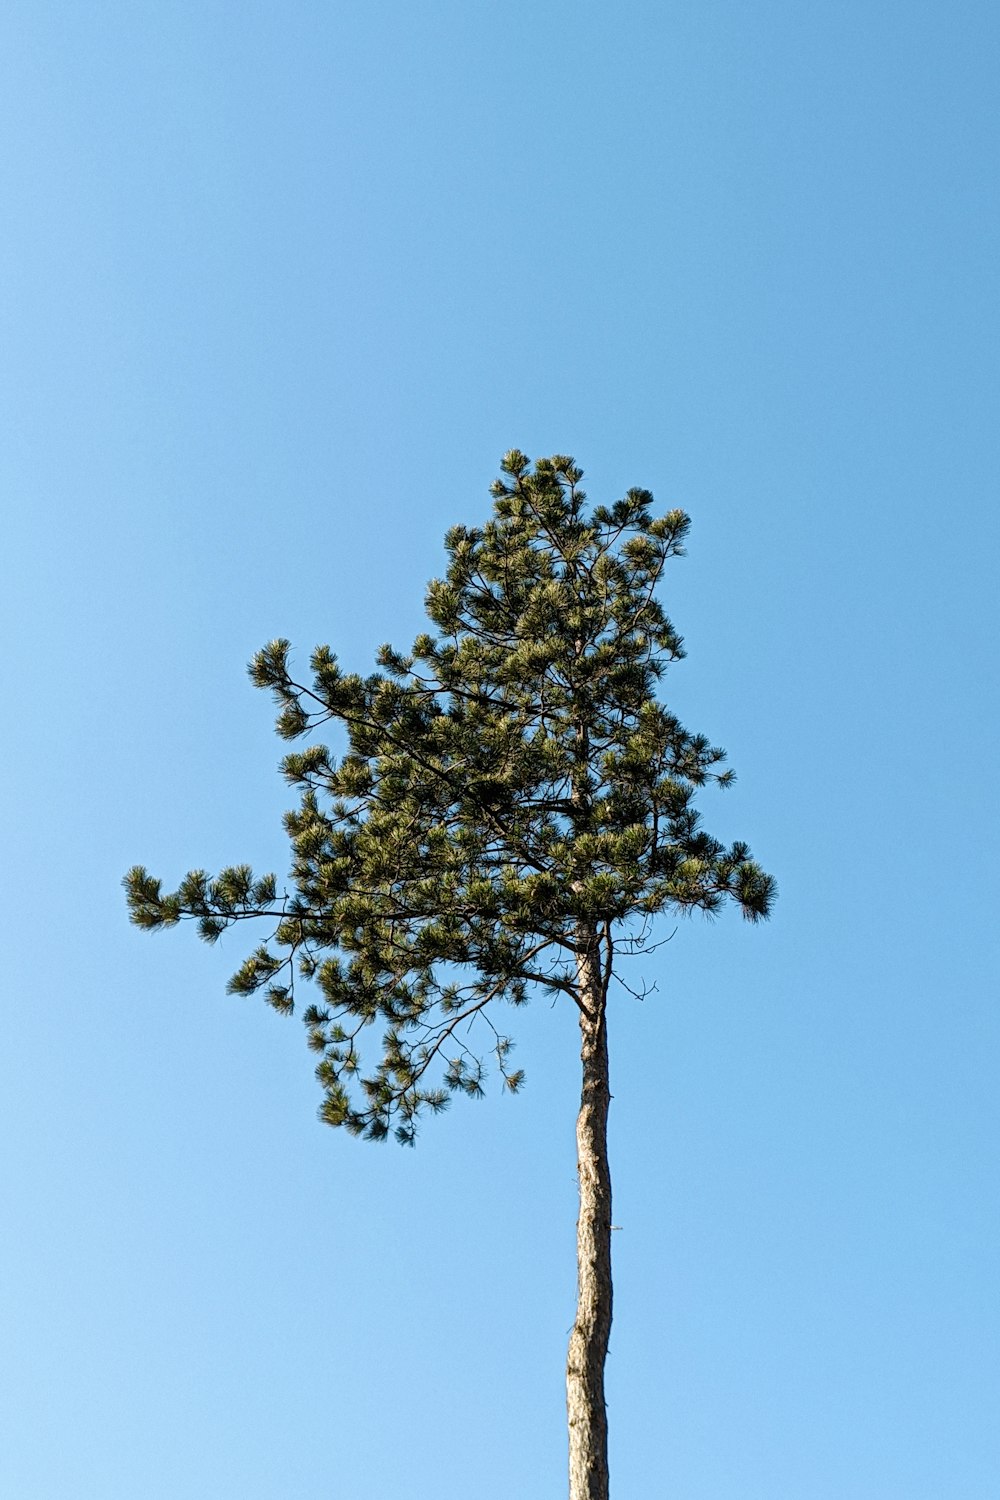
{"x": 588, "y": 1345}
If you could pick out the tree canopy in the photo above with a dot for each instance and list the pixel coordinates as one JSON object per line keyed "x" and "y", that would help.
{"x": 512, "y": 790}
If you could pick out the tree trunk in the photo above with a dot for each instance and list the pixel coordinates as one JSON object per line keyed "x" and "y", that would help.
{"x": 588, "y": 1345}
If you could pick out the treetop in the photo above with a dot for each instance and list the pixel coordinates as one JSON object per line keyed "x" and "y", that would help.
{"x": 512, "y": 791}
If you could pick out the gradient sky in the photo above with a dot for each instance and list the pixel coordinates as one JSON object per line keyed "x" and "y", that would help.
{"x": 280, "y": 283}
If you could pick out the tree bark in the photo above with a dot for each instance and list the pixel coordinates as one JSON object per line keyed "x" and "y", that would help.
{"x": 588, "y": 1345}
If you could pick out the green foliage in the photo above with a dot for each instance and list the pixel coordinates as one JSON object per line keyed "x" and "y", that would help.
{"x": 512, "y": 794}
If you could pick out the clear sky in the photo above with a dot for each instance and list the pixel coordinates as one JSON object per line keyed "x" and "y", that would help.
{"x": 280, "y": 283}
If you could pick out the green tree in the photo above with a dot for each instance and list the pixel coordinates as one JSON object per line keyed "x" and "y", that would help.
{"x": 514, "y": 807}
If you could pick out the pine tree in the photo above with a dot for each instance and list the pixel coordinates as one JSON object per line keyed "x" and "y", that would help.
{"x": 514, "y": 808}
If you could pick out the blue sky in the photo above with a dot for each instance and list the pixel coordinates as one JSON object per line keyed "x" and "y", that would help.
{"x": 280, "y": 284}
